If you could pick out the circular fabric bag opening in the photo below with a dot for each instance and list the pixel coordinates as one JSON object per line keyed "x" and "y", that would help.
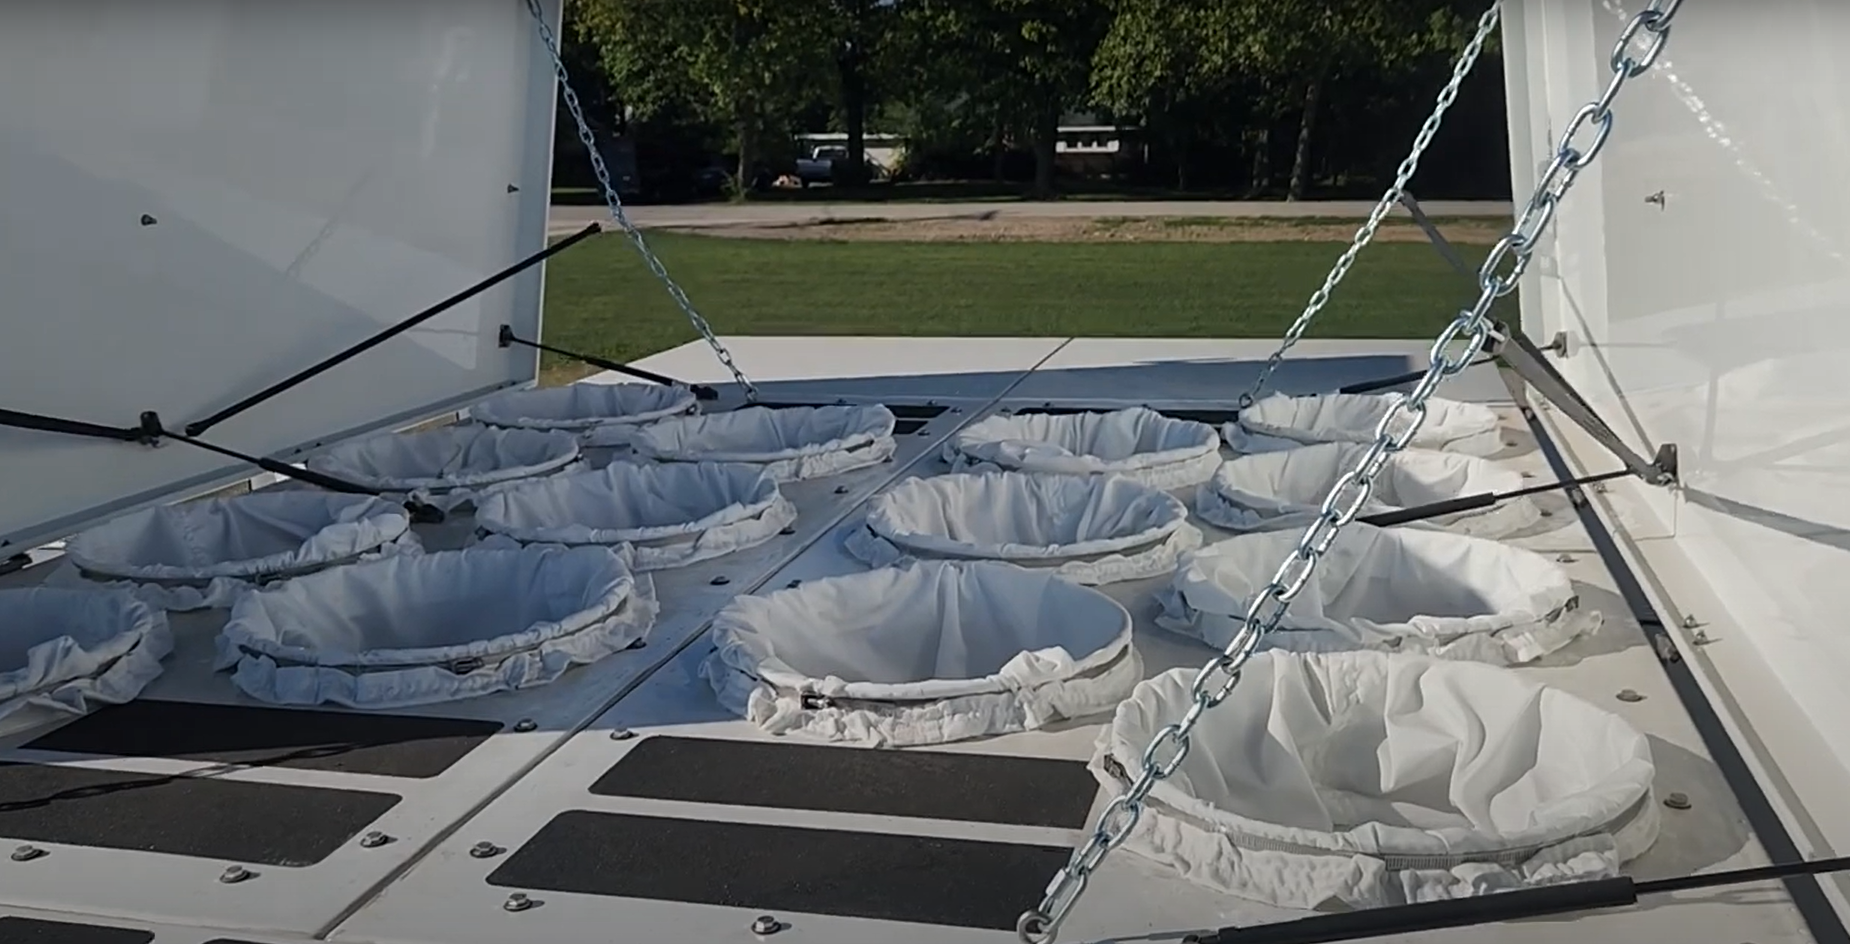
{"x": 1408, "y": 589}
{"x": 1085, "y": 528}
{"x": 1282, "y": 422}
{"x": 935, "y": 652}
{"x": 1140, "y": 444}
{"x": 200, "y": 554}
{"x": 668, "y": 515}
{"x": 414, "y": 630}
{"x": 1357, "y": 780}
{"x": 1285, "y": 489}
{"x": 599, "y": 414}
{"x": 450, "y": 465}
{"x": 791, "y": 443}
{"x": 66, "y": 652}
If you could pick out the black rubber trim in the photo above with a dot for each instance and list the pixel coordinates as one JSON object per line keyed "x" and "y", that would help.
{"x": 18, "y": 930}
{"x": 385, "y": 745}
{"x": 1814, "y": 907}
{"x": 784, "y": 869}
{"x": 976, "y": 788}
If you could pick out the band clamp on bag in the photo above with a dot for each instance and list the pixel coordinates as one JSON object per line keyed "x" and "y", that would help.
{"x": 791, "y": 443}
{"x": 1287, "y": 422}
{"x": 1267, "y": 490}
{"x": 414, "y": 630}
{"x": 64, "y": 652}
{"x": 599, "y": 414}
{"x": 935, "y": 652}
{"x": 1087, "y": 529}
{"x": 1138, "y": 443}
{"x": 668, "y": 515}
{"x": 200, "y": 554}
{"x": 451, "y": 465}
{"x": 1411, "y": 590}
{"x": 1363, "y": 779}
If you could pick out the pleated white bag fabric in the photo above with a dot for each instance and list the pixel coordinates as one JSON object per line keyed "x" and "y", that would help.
{"x": 1085, "y": 528}
{"x": 1285, "y": 489}
{"x": 598, "y": 414}
{"x": 200, "y": 554}
{"x": 448, "y": 467}
{"x": 1138, "y": 443}
{"x": 1405, "y": 589}
{"x": 67, "y": 652}
{"x": 791, "y": 443}
{"x": 935, "y": 652}
{"x": 668, "y": 515}
{"x": 1285, "y": 422}
{"x": 1358, "y": 780}
{"x": 436, "y": 627}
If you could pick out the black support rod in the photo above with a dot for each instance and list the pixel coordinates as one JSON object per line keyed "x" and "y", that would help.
{"x": 701, "y": 391}
{"x": 1452, "y": 506}
{"x": 198, "y": 427}
{"x": 55, "y": 424}
{"x": 1412, "y": 376}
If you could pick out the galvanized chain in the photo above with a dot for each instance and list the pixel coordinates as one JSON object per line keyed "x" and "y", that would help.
{"x": 1216, "y": 680}
{"x": 616, "y": 205}
{"x": 1363, "y": 236}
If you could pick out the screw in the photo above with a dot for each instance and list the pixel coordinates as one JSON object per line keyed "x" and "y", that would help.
{"x": 1627, "y": 694}
{"x": 28, "y": 853}
{"x": 1564, "y": 558}
{"x": 525, "y": 724}
{"x": 621, "y": 734}
{"x": 235, "y": 874}
{"x": 1701, "y": 638}
{"x": 1677, "y": 801}
{"x": 1690, "y": 622}
{"x": 720, "y": 580}
{"x": 766, "y": 924}
{"x": 485, "y": 850}
{"x": 374, "y": 840}
{"x": 517, "y": 902}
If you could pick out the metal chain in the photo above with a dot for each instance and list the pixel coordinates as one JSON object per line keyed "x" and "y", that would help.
{"x": 1363, "y": 236}
{"x": 1216, "y": 680}
{"x": 616, "y": 205}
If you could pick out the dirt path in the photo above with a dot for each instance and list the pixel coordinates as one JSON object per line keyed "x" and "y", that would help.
{"x": 1463, "y": 231}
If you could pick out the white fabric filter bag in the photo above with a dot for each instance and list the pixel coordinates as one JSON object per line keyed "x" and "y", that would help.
{"x": 201, "y": 554}
{"x": 1407, "y": 589}
{"x": 1269, "y": 490}
{"x": 1285, "y": 422}
{"x": 791, "y": 443}
{"x": 435, "y": 627}
{"x": 668, "y": 515}
{"x": 66, "y": 652}
{"x": 935, "y": 652}
{"x": 1139, "y": 444}
{"x": 598, "y": 414}
{"x": 1085, "y": 528}
{"x": 448, "y": 466}
{"x": 1364, "y": 780}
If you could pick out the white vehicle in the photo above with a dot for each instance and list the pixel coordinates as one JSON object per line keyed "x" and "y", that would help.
{"x": 673, "y": 706}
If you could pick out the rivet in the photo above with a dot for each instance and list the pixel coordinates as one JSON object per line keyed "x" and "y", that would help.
{"x": 147, "y": 220}
{"x": 1690, "y": 621}
{"x": 1677, "y": 801}
{"x": 793, "y": 584}
{"x": 1546, "y": 513}
{"x": 787, "y": 530}
{"x": 766, "y": 924}
{"x": 485, "y": 850}
{"x": 512, "y": 188}
{"x": 1600, "y": 487}
{"x": 1700, "y": 638}
{"x": 28, "y": 853}
{"x": 720, "y": 580}
{"x": 1528, "y": 475}
{"x": 517, "y": 902}
{"x": 841, "y": 489}
{"x": 235, "y": 874}
{"x": 1511, "y": 444}
{"x": 957, "y": 409}
{"x": 1629, "y": 695}
{"x": 923, "y": 432}
{"x": 638, "y": 644}
{"x": 1564, "y": 558}
{"x": 525, "y": 724}
{"x": 374, "y": 840}
{"x": 621, "y": 734}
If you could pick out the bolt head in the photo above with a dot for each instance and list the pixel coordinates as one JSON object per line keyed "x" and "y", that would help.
{"x": 1689, "y": 622}
{"x": 766, "y": 924}
{"x": 374, "y": 839}
{"x": 1629, "y": 695}
{"x": 28, "y": 853}
{"x": 1564, "y": 558}
{"x": 525, "y": 724}
{"x": 720, "y": 580}
{"x": 517, "y": 902}
{"x": 1677, "y": 801}
{"x": 622, "y": 734}
{"x": 485, "y": 850}
{"x": 234, "y": 874}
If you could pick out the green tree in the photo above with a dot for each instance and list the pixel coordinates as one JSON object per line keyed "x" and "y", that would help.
{"x": 1175, "y": 64}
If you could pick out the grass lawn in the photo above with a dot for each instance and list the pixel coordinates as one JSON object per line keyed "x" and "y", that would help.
{"x": 601, "y": 299}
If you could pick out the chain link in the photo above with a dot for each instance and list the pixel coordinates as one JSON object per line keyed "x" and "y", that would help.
{"x": 616, "y": 205}
{"x": 1345, "y": 500}
{"x": 1395, "y": 191}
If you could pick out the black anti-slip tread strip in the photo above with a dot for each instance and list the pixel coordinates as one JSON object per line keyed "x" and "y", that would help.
{"x": 207, "y": 817}
{"x": 18, "y": 930}
{"x": 386, "y": 745}
{"x": 1814, "y": 908}
{"x": 978, "y": 788}
{"x": 783, "y": 869}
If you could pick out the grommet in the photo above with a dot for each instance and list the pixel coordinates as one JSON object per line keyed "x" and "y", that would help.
{"x": 485, "y": 850}
{"x": 517, "y": 902}
{"x": 525, "y": 724}
{"x": 1677, "y": 801}
{"x": 1629, "y": 695}
{"x": 766, "y": 924}
{"x": 235, "y": 874}
{"x": 28, "y": 853}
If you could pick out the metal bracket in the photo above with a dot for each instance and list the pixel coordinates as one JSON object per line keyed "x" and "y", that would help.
{"x": 1529, "y": 363}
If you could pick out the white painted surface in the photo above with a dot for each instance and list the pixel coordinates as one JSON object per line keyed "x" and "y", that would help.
{"x": 1716, "y": 321}
{"x": 315, "y": 174}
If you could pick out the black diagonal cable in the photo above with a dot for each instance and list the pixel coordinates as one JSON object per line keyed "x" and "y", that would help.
{"x": 197, "y": 427}
{"x": 1452, "y": 506}
{"x": 701, "y": 391}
